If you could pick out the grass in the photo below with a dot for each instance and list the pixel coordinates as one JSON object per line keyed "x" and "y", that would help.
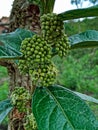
{"x": 3, "y": 83}
{"x": 3, "y": 72}
{"x": 94, "y": 108}
{"x": 4, "y": 91}
{"x": 4, "y": 88}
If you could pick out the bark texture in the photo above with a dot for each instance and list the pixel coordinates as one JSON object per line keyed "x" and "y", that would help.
{"x": 25, "y": 16}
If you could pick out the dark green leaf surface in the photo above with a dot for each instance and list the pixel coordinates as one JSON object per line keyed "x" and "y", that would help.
{"x": 10, "y": 43}
{"x": 5, "y": 108}
{"x": 86, "y": 39}
{"x": 57, "y": 108}
{"x": 79, "y": 13}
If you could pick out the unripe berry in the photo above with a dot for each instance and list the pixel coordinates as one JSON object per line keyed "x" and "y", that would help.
{"x": 20, "y": 98}
{"x": 50, "y": 25}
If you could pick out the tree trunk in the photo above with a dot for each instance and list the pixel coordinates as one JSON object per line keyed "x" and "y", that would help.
{"x": 26, "y": 16}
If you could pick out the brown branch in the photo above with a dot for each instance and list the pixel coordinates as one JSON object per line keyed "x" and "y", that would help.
{"x": 4, "y": 24}
{"x": 6, "y": 63}
{"x": 3, "y": 63}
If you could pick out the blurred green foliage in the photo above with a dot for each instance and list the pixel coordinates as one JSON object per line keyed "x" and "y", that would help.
{"x": 3, "y": 83}
{"x": 79, "y": 73}
{"x": 4, "y": 88}
{"x": 3, "y": 72}
{"x": 4, "y": 91}
{"x": 76, "y": 26}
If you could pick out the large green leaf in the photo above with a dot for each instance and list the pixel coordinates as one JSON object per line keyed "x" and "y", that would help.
{"x": 86, "y": 39}
{"x": 5, "y": 108}
{"x": 79, "y": 13}
{"x": 57, "y": 108}
{"x": 10, "y": 43}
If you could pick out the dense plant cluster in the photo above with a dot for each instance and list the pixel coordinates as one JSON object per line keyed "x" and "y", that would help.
{"x": 51, "y": 26}
{"x": 37, "y": 55}
{"x": 20, "y": 98}
{"x": 30, "y": 123}
{"x": 53, "y": 31}
{"x": 38, "y": 50}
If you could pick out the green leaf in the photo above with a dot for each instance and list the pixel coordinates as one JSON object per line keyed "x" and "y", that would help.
{"x": 86, "y": 97}
{"x": 79, "y": 13}
{"x": 10, "y": 43}
{"x": 86, "y": 39}
{"x": 5, "y": 108}
{"x": 57, "y": 108}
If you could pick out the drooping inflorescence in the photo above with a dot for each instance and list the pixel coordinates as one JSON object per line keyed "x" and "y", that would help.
{"x": 44, "y": 74}
{"x": 20, "y": 98}
{"x": 37, "y": 56}
{"x": 51, "y": 27}
{"x": 62, "y": 46}
{"x": 38, "y": 50}
{"x": 30, "y": 122}
{"x": 53, "y": 32}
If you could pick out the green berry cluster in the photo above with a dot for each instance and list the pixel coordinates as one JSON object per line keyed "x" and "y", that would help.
{"x": 53, "y": 32}
{"x": 51, "y": 26}
{"x": 37, "y": 60}
{"x": 62, "y": 46}
{"x": 30, "y": 123}
{"x": 20, "y": 98}
{"x": 44, "y": 75}
{"x": 23, "y": 66}
{"x": 35, "y": 51}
